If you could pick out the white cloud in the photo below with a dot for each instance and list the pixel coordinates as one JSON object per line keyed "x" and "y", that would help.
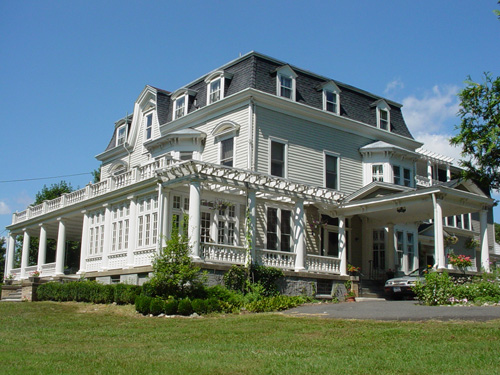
{"x": 393, "y": 85}
{"x": 439, "y": 143}
{"x": 4, "y": 209}
{"x": 433, "y": 112}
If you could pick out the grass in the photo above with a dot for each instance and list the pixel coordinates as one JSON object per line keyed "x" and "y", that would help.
{"x": 72, "y": 338}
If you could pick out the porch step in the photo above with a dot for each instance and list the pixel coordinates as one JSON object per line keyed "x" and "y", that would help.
{"x": 371, "y": 288}
{"x": 16, "y": 296}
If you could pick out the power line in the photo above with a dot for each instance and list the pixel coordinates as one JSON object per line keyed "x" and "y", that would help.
{"x": 44, "y": 178}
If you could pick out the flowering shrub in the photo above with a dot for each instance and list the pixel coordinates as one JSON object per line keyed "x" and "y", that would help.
{"x": 460, "y": 261}
{"x": 351, "y": 268}
{"x": 35, "y": 273}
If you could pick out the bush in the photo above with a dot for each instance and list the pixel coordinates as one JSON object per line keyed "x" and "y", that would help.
{"x": 157, "y": 306}
{"x": 236, "y": 278}
{"x": 126, "y": 294}
{"x": 240, "y": 278}
{"x": 200, "y": 306}
{"x": 171, "y": 306}
{"x": 142, "y": 304}
{"x": 437, "y": 289}
{"x": 185, "y": 307}
{"x": 276, "y": 303}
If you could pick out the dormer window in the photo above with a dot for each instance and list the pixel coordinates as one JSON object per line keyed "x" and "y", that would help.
{"x": 285, "y": 82}
{"x": 383, "y": 114}
{"x": 225, "y": 133}
{"x": 149, "y": 126}
{"x": 331, "y": 97}
{"x": 121, "y": 135}
{"x": 214, "y": 91}
{"x": 180, "y": 107}
{"x": 216, "y": 82}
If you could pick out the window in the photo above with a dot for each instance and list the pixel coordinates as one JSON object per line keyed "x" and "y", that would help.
{"x": 121, "y": 135}
{"x": 377, "y": 172}
{"x": 278, "y": 159}
{"x": 205, "y": 227}
{"x": 214, "y": 91}
{"x": 96, "y": 233}
{"x": 279, "y": 229}
{"x": 227, "y": 152}
{"x": 404, "y": 179}
{"x": 147, "y": 233}
{"x": 186, "y": 155}
{"x": 331, "y": 171}
{"x": 399, "y": 250}
{"x": 330, "y": 101}
{"x": 149, "y": 126}
{"x": 180, "y": 208}
{"x": 285, "y": 82}
{"x": 379, "y": 249}
{"x": 180, "y": 107}
{"x": 407, "y": 177}
{"x": 396, "y": 171}
{"x": 410, "y": 250}
{"x": 226, "y": 224}
{"x": 383, "y": 119}
{"x": 462, "y": 221}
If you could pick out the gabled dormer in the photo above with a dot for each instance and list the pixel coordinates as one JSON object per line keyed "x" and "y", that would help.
{"x": 180, "y": 100}
{"x": 286, "y": 85}
{"x": 383, "y": 113}
{"x": 331, "y": 97}
{"x": 216, "y": 85}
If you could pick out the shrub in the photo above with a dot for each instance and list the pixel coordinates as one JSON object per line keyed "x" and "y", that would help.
{"x": 156, "y": 306}
{"x": 240, "y": 278}
{"x": 126, "y": 294}
{"x": 436, "y": 290}
{"x": 276, "y": 303}
{"x": 200, "y": 306}
{"x": 142, "y": 304}
{"x": 171, "y": 306}
{"x": 185, "y": 307}
{"x": 236, "y": 278}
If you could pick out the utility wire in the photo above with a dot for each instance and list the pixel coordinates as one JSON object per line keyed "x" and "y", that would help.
{"x": 44, "y": 178}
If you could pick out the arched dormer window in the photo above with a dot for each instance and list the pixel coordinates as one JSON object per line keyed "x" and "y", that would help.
{"x": 331, "y": 97}
{"x": 216, "y": 85}
{"x": 285, "y": 82}
{"x": 383, "y": 114}
{"x": 224, "y": 134}
{"x": 118, "y": 168}
{"x": 181, "y": 101}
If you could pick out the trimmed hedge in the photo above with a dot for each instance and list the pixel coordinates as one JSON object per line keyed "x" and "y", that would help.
{"x": 88, "y": 291}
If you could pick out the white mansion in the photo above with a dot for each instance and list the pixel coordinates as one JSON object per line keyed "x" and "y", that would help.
{"x": 272, "y": 164}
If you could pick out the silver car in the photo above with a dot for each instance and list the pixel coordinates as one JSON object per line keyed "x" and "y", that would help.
{"x": 400, "y": 287}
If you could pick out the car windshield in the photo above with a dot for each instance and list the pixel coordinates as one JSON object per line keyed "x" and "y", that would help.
{"x": 418, "y": 272}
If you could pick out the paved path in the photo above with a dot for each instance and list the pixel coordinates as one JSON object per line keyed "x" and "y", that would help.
{"x": 379, "y": 309}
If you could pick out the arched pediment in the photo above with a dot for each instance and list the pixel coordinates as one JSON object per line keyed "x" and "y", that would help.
{"x": 226, "y": 127}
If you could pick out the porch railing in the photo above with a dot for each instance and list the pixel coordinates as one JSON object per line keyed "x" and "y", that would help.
{"x": 223, "y": 253}
{"x": 112, "y": 183}
{"x": 48, "y": 269}
{"x": 322, "y": 264}
{"x": 274, "y": 258}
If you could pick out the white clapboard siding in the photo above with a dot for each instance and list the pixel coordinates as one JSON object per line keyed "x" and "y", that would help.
{"x": 306, "y": 142}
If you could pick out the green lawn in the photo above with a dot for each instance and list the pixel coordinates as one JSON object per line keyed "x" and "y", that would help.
{"x": 71, "y": 338}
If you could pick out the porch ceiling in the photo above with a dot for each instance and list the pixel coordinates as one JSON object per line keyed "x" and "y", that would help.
{"x": 416, "y": 206}
{"x": 74, "y": 226}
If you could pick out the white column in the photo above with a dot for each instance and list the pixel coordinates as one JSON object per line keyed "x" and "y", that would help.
{"x": 448, "y": 173}
{"x": 132, "y": 234}
{"x": 252, "y": 212}
{"x": 485, "y": 255}
{"x": 342, "y": 247}
{"x": 25, "y": 254}
{"x": 163, "y": 217}
{"x": 429, "y": 171}
{"x": 107, "y": 237}
{"x": 9, "y": 262}
{"x": 42, "y": 247}
{"x": 438, "y": 233}
{"x": 84, "y": 248}
{"x": 391, "y": 249}
{"x": 194, "y": 231}
{"x": 61, "y": 248}
{"x": 299, "y": 234}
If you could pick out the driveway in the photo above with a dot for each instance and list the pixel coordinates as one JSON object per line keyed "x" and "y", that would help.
{"x": 380, "y": 309}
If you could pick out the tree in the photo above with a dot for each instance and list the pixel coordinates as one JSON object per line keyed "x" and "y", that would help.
{"x": 3, "y": 254}
{"x": 479, "y": 134}
{"x": 52, "y": 192}
{"x": 96, "y": 175}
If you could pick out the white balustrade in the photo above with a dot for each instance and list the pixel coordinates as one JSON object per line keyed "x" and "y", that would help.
{"x": 54, "y": 204}
{"x": 223, "y": 253}
{"x": 48, "y": 269}
{"x": 274, "y": 258}
{"x": 323, "y": 264}
{"x": 36, "y": 210}
{"x": 123, "y": 179}
{"x": 16, "y": 273}
{"x": 21, "y": 216}
{"x": 76, "y": 196}
{"x": 99, "y": 188}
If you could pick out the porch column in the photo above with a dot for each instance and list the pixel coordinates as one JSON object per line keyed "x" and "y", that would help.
{"x": 342, "y": 247}
{"x": 163, "y": 219}
{"x": 429, "y": 171}
{"x": 85, "y": 243}
{"x": 299, "y": 234}
{"x": 252, "y": 223}
{"x": 391, "y": 249}
{"x": 132, "y": 237}
{"x": 61, "y": 248}
{"x": 438, "y": 233}
{"x": 25, "y": 254}
{"x": 194, "y": 231}
{"x": 485, "y": 255}
{"x": 42, "y": 248}
{"x": 107, "y": 237}
{"x": 9, "y": 264}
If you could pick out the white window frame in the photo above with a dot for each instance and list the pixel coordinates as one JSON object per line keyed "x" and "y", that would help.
{"x": 279, "y": 228}
{"x": 232, "y": 158}
{"x": 337, "y": 156}
{"x": 220, "y": 76}
{"x": 180, "y": 111}
{"x": 286, "y": 72}
{"x": 331, "y": 87}
{"x": 285, "y": 156}
{"x": 121, "y": 139}
{"x": 377, "y": 176}
{"x": 147, "y": 221}
{"x": 148, "y": 129}
{"x": 229, "y": 217}
{"x": 211, "y": 98}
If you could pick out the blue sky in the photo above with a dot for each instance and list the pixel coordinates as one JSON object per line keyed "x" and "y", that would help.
{"x": 69, "y": 70}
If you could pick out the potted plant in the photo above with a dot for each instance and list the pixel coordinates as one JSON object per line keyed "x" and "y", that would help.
{"x": 9, "y": 279}
{"x": 459, "y": 261}
{"x": 352, "y": 270}
{"x": 350, "y": 296}
{"x": 35, "y": 276}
